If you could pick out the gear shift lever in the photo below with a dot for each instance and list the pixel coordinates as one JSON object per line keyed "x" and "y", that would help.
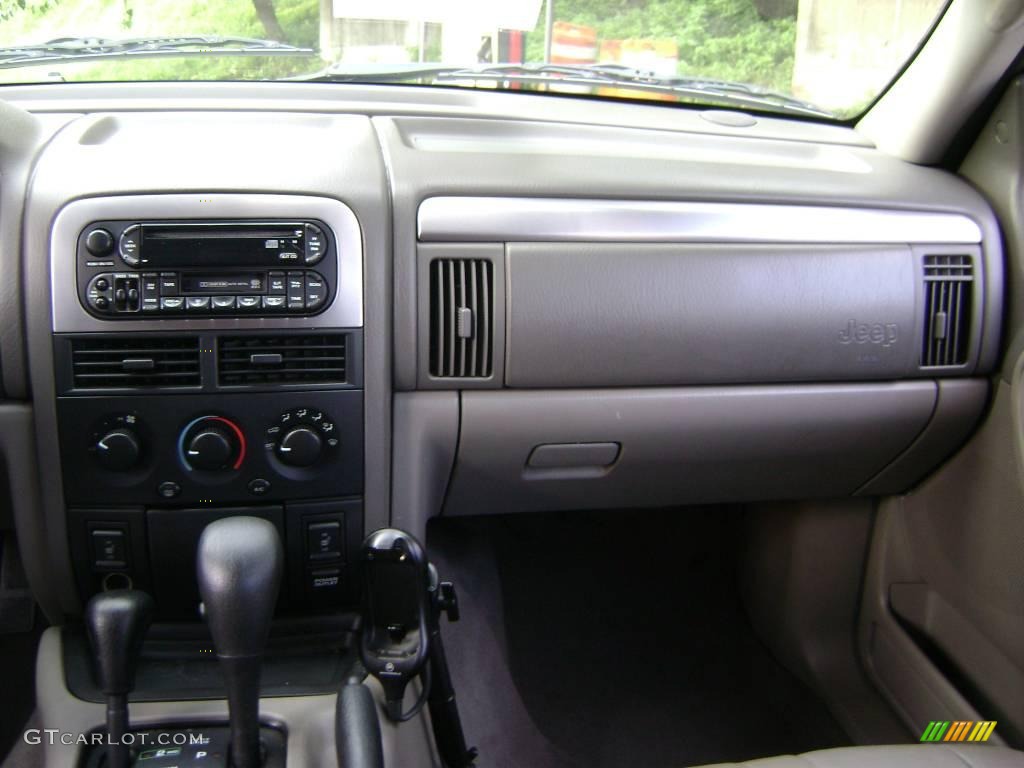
{"x": 239, "y": 570}
{"x": 116, "y": 622}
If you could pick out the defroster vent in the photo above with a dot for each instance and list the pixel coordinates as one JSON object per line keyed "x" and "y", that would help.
{"x": 948, "y": 291}
{"x": 311, "y": 358}
{"x": 461, "y": 318}
{"x": 126, "y": 363}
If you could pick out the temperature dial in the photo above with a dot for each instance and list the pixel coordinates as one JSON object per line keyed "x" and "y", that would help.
{"x": 212, "y": 444}
{"x": 302, "y": 437}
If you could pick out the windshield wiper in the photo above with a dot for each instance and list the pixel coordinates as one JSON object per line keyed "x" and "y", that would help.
{"x": 94, "y": 49}
{"x": 593, "y": 75}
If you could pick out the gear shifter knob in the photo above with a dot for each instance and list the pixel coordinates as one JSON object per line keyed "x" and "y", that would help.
{"x": 238, "y": 566}
{"x": 116, "y": 622}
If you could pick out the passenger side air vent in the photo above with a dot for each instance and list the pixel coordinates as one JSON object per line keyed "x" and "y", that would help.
{"x": 314, "y": 358}
{"x": 948, "y": 291}
{"x": 136, "y": 362}
{"x": 461, "y": 318}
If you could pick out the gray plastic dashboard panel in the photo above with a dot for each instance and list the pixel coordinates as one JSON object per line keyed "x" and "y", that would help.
{"x": 606, "y": 315}
{"x": 69, "y": 316}
{"x": 682, "y": 446}
{"x": 490, "y": 219}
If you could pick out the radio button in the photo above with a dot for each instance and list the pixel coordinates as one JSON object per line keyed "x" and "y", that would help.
{"x": 274, "y": 302}
{"x": 172, "y": 303}
{"x": 316, "y": 244}
{"x": 150, "y": 292}
{"x": 223, "y": 303}
{"x": 288, "y": 257}
{"x": 130, "y": 244}
{"x": 198, "y": 303}
{"x": 248, "y": 302}
{"x": 168, "y": 284}
{"x": 316, "y": 291}
{"x": 277, "y": 284}
{"x": 296, "y": 290}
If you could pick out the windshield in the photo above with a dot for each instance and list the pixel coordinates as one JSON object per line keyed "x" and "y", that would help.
{"x": 819, "y": 58}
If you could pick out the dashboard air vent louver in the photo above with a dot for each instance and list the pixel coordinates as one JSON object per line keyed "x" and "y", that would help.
{"x": 947, "y": 300}
{"x": 461, "y": 318}
{"x": 312, "y": 358}
{"x": 136, "y": 362}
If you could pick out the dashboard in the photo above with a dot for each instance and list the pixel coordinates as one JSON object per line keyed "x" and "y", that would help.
{"x": 343, "y": 308}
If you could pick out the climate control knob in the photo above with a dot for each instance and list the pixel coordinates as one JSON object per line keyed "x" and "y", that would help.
{"x": 212, "y": 444}
{"x": 300, "y": 447}
{"x": 118, "y": 450}
{"x": 210, "y": 449}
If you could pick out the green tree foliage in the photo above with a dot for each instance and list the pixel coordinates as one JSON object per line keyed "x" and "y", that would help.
{"x": 721, "y": 39}
{"x": 42, "y": 20}
{"x": 9, "y": 8}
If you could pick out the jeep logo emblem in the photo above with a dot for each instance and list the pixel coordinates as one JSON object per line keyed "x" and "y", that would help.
{"x": 884, "y": 334}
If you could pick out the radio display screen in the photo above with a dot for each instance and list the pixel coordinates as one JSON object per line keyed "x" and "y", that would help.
{"x": 169, "y": 246}
{"x": 210, "y": 284}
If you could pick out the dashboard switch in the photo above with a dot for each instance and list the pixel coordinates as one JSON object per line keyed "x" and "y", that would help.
{"x": 296, "y": 290}
{"x": 315, "y": 244}
{"x": 277, "y": 284}
{"x": 316, "y": 291}
{"x": 324, "y": 540}
{"x": 168, "y": 489}
{"x": 109, "y": 549}
{"x": 259, "y": 486}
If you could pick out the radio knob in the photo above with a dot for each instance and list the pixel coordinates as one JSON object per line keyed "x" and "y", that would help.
{"x": 119, "y": 450}
{"x": 99, "y": 242}
{"x": 300, "y": 447}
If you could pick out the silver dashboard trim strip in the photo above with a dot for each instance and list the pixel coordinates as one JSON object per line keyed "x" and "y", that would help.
{"x": 69, "y": 316}
{"x": 523, "y": 219}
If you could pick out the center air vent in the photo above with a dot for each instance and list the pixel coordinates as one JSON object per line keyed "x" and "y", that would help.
{"x": 948, "y": 291}
{"x": 315, "y": 358}
{"x": 461, "y": 318}
{"x": 136, "y": 362}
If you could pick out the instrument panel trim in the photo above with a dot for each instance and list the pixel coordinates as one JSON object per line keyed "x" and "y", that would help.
{"x": 524, "y": 219}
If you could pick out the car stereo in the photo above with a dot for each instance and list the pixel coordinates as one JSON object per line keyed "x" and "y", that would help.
{"x": 205, "y": 268}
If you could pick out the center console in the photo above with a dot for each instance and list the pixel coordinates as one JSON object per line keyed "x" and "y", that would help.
{"x": 208, "y": 358}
